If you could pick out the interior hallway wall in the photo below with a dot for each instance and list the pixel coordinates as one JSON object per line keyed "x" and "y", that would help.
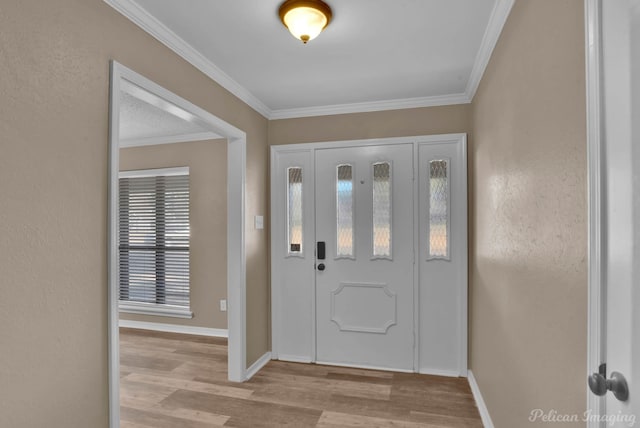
{"x": 379, "y": 124}
{"x": 528, "y": 259}
{"x": 54, "y": 63}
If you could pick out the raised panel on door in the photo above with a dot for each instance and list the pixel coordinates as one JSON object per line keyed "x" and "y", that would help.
{"x": 292, "y": 248}
{"x": 364, "y": 295}
{"x": 442, "y": 257}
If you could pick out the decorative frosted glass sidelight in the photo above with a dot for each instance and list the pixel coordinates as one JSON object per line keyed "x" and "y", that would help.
{"x": 344, "y": 211}
{"x": 382, "y": 210}
{"x": 294, "y": 210}
{"x": 438, "y": 209}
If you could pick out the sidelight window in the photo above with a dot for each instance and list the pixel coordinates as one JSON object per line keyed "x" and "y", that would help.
{"x": 439, "y": 209}
{"x": 294, "y": 210}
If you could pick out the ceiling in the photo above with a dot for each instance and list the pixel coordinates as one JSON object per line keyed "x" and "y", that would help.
{"x": 375, "y": 54}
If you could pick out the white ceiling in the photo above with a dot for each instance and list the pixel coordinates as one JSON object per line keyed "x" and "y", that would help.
{"x": 375, "y": 54}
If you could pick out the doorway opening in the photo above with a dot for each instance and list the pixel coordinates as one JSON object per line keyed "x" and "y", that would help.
{"x": 128, "y": 88}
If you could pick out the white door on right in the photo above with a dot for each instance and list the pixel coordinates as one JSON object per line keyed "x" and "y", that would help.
{"x": 620, "y": 103}
{"x": 442, "y": 257}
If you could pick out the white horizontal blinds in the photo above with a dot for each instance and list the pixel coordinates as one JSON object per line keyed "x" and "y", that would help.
{"x": 154, "y": 240}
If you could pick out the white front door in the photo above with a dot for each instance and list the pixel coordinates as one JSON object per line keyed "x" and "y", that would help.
{"x": 390, "y": 288}
{"x": 364, "y": 279}
{"x": 618, "y": 330}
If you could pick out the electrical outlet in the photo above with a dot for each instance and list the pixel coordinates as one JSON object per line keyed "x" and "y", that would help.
{"x": 223, "y": 305}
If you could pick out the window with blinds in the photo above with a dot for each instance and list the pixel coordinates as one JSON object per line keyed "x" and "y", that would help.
{"x": 154, "y": 241}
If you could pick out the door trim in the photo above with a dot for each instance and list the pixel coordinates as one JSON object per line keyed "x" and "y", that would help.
{"x": 416, "y": 141}
{"x": 236, "y": 212}
{"x": 595, "y": 198}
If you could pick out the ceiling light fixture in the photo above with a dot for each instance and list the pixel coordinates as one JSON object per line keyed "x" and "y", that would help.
{"x": 305, "y": 19}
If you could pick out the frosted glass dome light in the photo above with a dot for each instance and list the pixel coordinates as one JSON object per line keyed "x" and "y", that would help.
{"x": 305, "y": 19}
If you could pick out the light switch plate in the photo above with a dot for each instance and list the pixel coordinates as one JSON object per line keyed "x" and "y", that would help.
{"x": 259, "y": 221}
{"x": 223, "y": 305}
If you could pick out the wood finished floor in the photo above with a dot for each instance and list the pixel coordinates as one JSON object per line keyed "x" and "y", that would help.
{"x": 171, "y": 380}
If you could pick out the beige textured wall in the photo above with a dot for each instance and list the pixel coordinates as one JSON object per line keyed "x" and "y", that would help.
{"x": 528, "y": 264}
{"x": 207, "y": 162}
{"x": 381, "y": 124}
{"x": 53, "y": 191}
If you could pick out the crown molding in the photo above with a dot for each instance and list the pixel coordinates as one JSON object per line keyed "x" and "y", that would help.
{"x": 162, "y": 33}
{"x": 155, "y": 28}
{"x": 497, "y": 19}
{"x": 406, "y": 103}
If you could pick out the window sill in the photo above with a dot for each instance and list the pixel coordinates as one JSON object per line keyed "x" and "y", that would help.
{"x": 157, "y": 310}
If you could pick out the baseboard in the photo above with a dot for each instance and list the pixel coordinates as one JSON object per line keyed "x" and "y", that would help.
{"x": 447, "y": 373}
{"x": 174, "y": 328}
{"x": 293, "y": 359}
{"x": 364, "y": 366}
{"x": 260, "y": 363}
{"x": 482, "y": 407}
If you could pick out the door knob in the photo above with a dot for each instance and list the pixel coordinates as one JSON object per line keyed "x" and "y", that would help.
{"x": 321, "y": 266}
{"x": 599, "y": 385}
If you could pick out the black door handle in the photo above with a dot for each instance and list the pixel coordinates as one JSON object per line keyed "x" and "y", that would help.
{"x": 321, "y": 266}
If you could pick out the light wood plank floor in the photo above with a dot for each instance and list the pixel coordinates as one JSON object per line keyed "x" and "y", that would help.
{"x": 171, "y": 380}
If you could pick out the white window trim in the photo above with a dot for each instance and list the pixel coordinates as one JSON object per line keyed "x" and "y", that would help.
{"x": 154, "y": 309}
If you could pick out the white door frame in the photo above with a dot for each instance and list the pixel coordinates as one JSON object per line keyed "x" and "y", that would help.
{"x": 597, "y": 213}
{"x": 236, "y": 258}
{"x": 600, "y": 227}
{"x": 276, "y": 304}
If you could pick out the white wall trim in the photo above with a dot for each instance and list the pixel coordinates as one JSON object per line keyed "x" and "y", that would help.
{"x": 259, "y": 364}
{"x": 422, "y": 139}
{"x": 113, "y": 314}
{"x": 596, "y": 212}
{"x": 293, "y": 359}
{"x": 170, "y": 139}
{"x": 406, "y": 103}
{"x": 140, "y": 173}
{"x": 151, "y": 25}
{"x": 446, "y": 373}
{"x": 364, "y": 366}
{"x": 482, "y": 406}
{"x": 155, "y": 310}
{"x": 174, "y": 328}
{"x": 236, "y": 250}
{"x": 498, "y": 18}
